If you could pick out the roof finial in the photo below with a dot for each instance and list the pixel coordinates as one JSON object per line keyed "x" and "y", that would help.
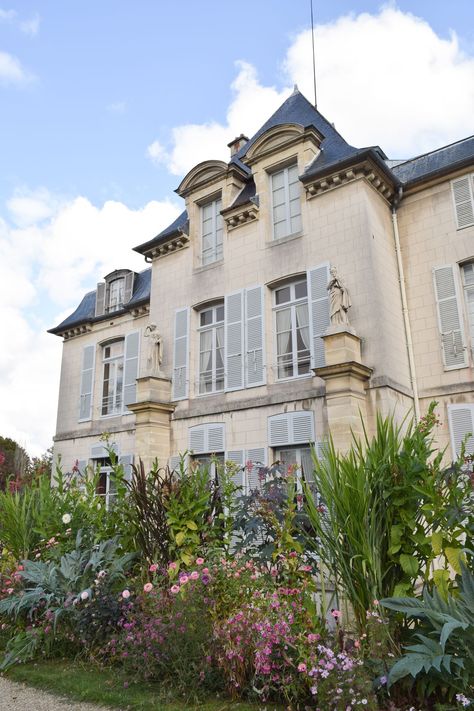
{"x": 295, "y": 90}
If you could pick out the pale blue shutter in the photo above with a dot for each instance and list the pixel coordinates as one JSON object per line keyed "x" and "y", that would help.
{"x": 449, "y": 318}
{"x": 128, "y": 287}
{"x": 126, "y": 460}
{"x": 318, "y": 304}
{"x": 258, "y": 457}
{"x": 461, "y": 423}
{"x": 234, "y": 341}
{"x": 87, "y": 383}
{"x": 174, "y": 463}
{"x": 100, "y": 299}
{"x": 463, "y": 201}
{"x": 130, "y": 376}
{"x": 197, "y": 439}
{"x": 215, "y": 438}
{"x": 254, "y": 336}
{"x": 237, "y": 458}
{"x": 180, "y": 360}
{"x": 291, "y": 428}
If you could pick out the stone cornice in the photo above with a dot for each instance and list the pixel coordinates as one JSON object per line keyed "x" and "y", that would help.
{"x": 241, "y": 215}
{"x": 173, "y": 243}
{"x": 358, "y": 370}
{"x": 75, "y": 331}
{"x": 151, "y": 406}
{"x": 366, "y": 170}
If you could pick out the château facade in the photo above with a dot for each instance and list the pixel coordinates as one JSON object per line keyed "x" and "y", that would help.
{"x": 225, "y": 345}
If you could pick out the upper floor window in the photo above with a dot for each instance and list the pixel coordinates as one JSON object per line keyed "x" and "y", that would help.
{"x": 115, "y": 292}
{"x": 212, "y": 231}
{"x": 463, "y": 196}
{"x": 292, "y": 330}
{"x": 211, "y": 349}
{"x": 468, "y": 283}
{"x": 115, "y": 295}
{"x": 286, "y": 204}
{"x": 112, "y": 386}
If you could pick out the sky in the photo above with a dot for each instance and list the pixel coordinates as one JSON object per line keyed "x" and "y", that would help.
{"x": 104, "y": 107}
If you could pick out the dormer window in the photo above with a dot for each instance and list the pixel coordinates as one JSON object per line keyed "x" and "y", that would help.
{"x": 211, "y": 232}
{"x": 286, "y": 202}
{"x": 115, "y": 292}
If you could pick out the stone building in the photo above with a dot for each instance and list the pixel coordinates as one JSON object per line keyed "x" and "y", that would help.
{"x": 248, "y": 355}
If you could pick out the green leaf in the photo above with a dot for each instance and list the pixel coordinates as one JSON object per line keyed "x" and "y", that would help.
{"x": 408, "y": 605}
{"x": 441, "y": 579}
{"x": 455, "y": 557}
{"x": 408, "y": 664}
{"x": 180, "y": 537}
{"x": 449, "y": 627}
{"x": 437, "y": 542}
{"x": 186, "y": 558}
{"x": 409, "y": 564}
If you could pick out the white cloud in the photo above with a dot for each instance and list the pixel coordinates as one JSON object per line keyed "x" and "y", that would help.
{"x": 56, "y": 250}
{"x": 31, "y": 26}
{"x": 117, "y": 107}
{"x": 7, "y": 15}
{"x": 385, "y": 78}
{"x": 11, "y": 71}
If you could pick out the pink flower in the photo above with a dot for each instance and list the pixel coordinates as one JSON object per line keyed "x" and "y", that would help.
{"x": 194, "y": 575}
{"x": 10, "y": 591}
{"x": 175, "y": 589}
{"x": 148, "y": 587}
{"x": 313, "y": 637}
{"x": 199, "y": 561}
{"x": 183, "y": 579}
{"x": 84, "y": 595}
{"x": 153, "y": 568}
{"x": 205, "y": 571}
{"x": 172, "y": 566}
{"x": 336, "y": 614}
{"x": 376, "y": 602}
{"x": 126, "y": 594}
{"x": 302, "y": 667}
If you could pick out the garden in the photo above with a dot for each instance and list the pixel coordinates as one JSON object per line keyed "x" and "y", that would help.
{"x": 351, "y": 589}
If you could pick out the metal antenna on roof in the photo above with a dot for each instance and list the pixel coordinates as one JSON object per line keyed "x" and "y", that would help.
{"x": 314, "y": 56}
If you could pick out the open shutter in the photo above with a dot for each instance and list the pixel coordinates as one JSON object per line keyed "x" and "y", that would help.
{"x": 237, "y": 458}
{"x": 463, "y": 201}
{"x": 258, "y": 457}
{"x": 449, "y": 318}
{"x": 254, "y": 337}
{"x": 132, "y": 342}
{"x": 234, "y": 341}
{"x": 128, "y": 287}
{"x": 302, "y": 427}
{"x": 126, "y": 460}
{"x": 87, "y": 383}
{"x": 82, "y": 466}
{"x": 197, "y": 439}
{"x": 279, "y": 430}
{"x": 461, "y": 423}
{"x": 207, "y": 439}
{"x": 100, "y": 299}
{"x": 291, "y": 428}
{"x": 318, "y": 303}
{"x": 180, "y": 361}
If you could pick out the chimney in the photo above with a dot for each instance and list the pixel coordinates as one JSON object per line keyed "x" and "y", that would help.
{"x": 237, "y": 144}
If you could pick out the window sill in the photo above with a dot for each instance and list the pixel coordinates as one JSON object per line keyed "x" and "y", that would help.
{"x": 214, "y": 392}
{"x": 284, "y": 240}
{"x": 294, "y": 377}
{"x": 198, "y": 270}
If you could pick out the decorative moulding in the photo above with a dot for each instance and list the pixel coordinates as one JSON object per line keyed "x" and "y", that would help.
{"x": 237, "y": 216}
{"x": 281, "y": 137}
{"x": 366, "y": 170}
{"x": 202, "y": 174}
{"x": 75, "y": 331}
{"x": 173, "y": 243}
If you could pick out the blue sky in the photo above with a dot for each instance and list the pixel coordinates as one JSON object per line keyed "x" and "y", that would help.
{"x": 105, "y": 105}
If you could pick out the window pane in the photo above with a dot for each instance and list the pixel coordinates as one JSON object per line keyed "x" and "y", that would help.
{"x": 293, "y": 173}
{"x": 283, "y": 295}
{"x": 468, "y": 271}
{"x": 301, "y": 290}
{"x": 279, "y": 213}
{"x": 280, "y": 230}
{"x": 219, "y": 313}
{"x": 206, "y": 317}
{"x": 295, "y": 224}
{"x": 278, "y": 180}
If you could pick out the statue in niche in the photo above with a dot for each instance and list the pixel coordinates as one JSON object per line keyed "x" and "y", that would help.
{"x": 155, "y": 349}
{"x": 339, "y": 300}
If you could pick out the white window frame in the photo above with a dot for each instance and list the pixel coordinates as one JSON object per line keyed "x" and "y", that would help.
{"x": 213, "y": 326}
{"x": 118, "y": 302}
{"x": 299, "y": 471}
{"x": 292, "y": 305}
{"x": 468, "y": 288}
{"x": 215, "y": 252}
{"x": 287, "y": 219}
{"x": 115, "y": 360}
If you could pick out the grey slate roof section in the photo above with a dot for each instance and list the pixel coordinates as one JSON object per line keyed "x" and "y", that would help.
{"x": 85, "y": 312}
{"x": 441, "y": 160}
{"x": 245, "y": 195}
{"x": 181, "y": 224}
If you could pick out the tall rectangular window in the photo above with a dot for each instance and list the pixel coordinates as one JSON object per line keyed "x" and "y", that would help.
{"x": 212, "y": 231}
{"x": 286, "y": 203}
{"x": 211, "y": 349}
{"x": 112, "y": 387}
{"x": 468, "y": 283}
{"x": 292, "y": 330}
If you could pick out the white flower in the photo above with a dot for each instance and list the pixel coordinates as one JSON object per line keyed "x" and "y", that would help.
{"x": 66, "y": 518}
{"x": 84, "y": 595}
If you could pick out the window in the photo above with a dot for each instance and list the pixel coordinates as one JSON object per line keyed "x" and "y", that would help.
{"x": 211, "y": 349}
{"x": 292, "y": 330}
{"x": 461, "y": 424}
{"x": 207, "y": 445}
{"x": 468, "y": 283}
{"x": 112, "y": 388}
{"x": 301, "y": 459}
{"x": 116, "y": 292}
{"x": 286, "y": 205}
{"x": 463, "y": 198}
{"x": 212, "y": 230}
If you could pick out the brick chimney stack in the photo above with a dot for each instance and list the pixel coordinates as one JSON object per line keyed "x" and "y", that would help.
{"x": 237, "y": 144}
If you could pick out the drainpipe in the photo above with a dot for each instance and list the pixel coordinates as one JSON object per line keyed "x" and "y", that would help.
{"x": 406, "y": 317}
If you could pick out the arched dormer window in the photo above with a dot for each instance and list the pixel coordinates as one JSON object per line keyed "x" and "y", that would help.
{"x": 115, "y": 292}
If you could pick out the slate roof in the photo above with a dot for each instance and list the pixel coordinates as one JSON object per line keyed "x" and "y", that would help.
{"x": 180, "y": 224}
{"x": 447, "y": 158}
{"x": 85, "y": 312}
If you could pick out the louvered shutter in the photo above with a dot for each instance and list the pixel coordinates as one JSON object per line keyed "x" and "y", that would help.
{"x": 87, "y": 383}
{"x": 180, "y": 362}
{"x": 82, "y": 466}
{"x": 132, "y": 342}
{"x": 197, "y": 439}
{"x": 302, "y": 427}
{"x": 278, "y": 430}
{"x": 463, "y": 201}
{"x": 461, "y": 423}
{"x": 449, "y": 318}
{"x": 215, "y": 438}
{"x": 128, "y": 287}
{"x": 174, "y": 463}
{"x": 126, "y": 460}
{"x": 318, "y": 304}
{"x": 291, "y": 428}
{"x": 207, "y": 439}
{"x": 237, "y": 458}
{"x": 98, "y": 451}
{"x": 234, "y": 341}
{"x": 257, "y": 456}
{"x": 254, "y": 337}
{"x": 100, "y": 299}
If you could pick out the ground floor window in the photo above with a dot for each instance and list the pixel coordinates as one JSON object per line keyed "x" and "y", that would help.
{"x": 302, "y": 459}
{"x": 211, "y": 462}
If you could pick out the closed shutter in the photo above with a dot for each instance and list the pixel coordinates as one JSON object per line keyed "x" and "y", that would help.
{"x": 254, "y": 337}
{"x": 258, "y": 457}
{"x": 291, "y": 428}
{"x": 207, "y": 439}
{"x": 461, "y": 423}
{"x": 449, "y": 318}
{"x": 234, "y": 341}
{"x": 174, "y": 463}
{"x": 100, "y": 299}
{"x": 87, "y": 383}
{"x": 126, "y": 460}
{"x": 318, "y": 303}
{"x": 215, "y": 438}
{"x": 180, "y": 362}
{"x": 463, "y": 201}
{"x": 130, "y": 376}
{"x": 197, "y": 439}
{"x": 98, "y": 451}
{"x": 237, "y": 458}
{"x": 82, "y": 467}
{"x": 128, "y": 287}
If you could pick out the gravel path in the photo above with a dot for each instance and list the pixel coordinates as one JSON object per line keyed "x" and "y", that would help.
{"x": 19, "y": 697}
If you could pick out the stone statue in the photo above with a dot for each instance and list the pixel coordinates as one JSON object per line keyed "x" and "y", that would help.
{"x": 339, "y": 300}
{"x": 155, "y": 349}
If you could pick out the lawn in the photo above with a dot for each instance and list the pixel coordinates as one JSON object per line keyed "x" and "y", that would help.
{"x": 106, "y": 686}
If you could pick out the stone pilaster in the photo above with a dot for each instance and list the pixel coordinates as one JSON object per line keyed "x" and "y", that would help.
{"x": 345, "y": 376}
{"x": 153, "y": 410}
